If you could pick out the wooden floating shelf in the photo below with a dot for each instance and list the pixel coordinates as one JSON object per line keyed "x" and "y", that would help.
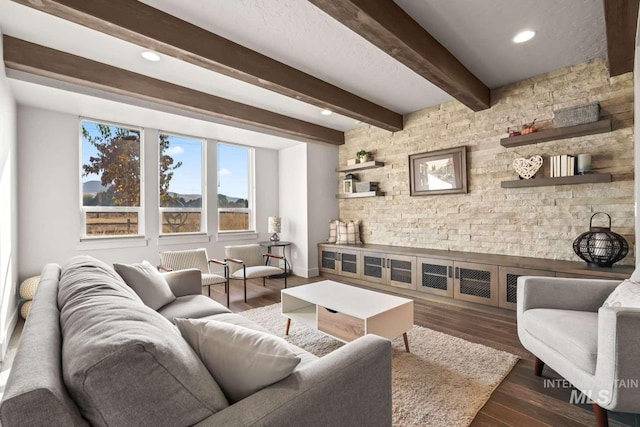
{"x": 360, "y": 166}
{"x": 561, "y": 180}
{"x": 600, "y": 126}
{"x": 356, "y": 195}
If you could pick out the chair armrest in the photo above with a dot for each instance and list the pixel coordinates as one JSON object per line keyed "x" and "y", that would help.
{"x": 563, "y": 293}
{"x": 350, "y": 386}
{"x": 617, "y": 367}
{"x": 164, "y": 269}
{"x": 216, "y": 261}
{"x": 273, "y": 256}
{"x": 184, "y": 282}
{"x": 237, "y": 261}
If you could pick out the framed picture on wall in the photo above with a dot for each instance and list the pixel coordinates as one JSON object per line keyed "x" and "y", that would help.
{"x": 438, "y": 172}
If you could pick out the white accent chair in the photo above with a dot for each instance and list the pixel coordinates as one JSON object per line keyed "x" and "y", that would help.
{"x": 597, "y": 349}
{"x": 196, "y": 258}
{"x": 248, "y": 262}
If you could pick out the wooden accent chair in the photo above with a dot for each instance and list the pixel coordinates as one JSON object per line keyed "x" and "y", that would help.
{"x": 248, "y": 262}
{"x": 196, "y": 258}
{"x": 596, "y": 348}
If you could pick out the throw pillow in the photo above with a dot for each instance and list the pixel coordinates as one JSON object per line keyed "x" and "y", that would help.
{"x": 147, "y": 282}
{"x": 333, "y": 231}
{"x": 241, "y": 360}
{"x": 626, "y": 294}
{"x": 348, "y": 232}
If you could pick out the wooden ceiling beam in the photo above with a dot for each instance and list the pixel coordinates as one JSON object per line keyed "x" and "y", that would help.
{"x": 42, "y": 61}
{"x": 387, "y": 26}
{"x": 138, "y": 23}
{"x": 621, "y": 18}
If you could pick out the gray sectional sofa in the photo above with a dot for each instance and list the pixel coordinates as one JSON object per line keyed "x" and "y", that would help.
{"x": 92, "y": 353}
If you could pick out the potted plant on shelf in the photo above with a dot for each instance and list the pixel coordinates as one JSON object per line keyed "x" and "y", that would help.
{"x": 364, "y": 156}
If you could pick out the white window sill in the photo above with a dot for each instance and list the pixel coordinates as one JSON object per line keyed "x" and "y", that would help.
{"x": 236, "y": 235}
{"x": 91, "y": 243}
{"x": 183, "y": 239}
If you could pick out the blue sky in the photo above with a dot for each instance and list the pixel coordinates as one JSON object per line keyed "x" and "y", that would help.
{"x": 233, "y": 165}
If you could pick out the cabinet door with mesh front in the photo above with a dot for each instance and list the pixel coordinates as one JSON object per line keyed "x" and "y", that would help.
{"x": 435, "y": 276}
{"x": 509, "y": 281}
{"x": 476, "y": 282}
{"x": 373, "y": 267}
{"x": 349, "y": 263}
{"x": 401, "y": 271}
{"x": 328, "y": 259}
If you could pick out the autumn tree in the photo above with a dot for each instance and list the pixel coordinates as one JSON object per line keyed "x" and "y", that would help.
{"x": 117, "y": 163}
{"x": 166, "y": 173}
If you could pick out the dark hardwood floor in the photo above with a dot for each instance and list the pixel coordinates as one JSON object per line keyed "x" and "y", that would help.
{"x": 521, "y": 399}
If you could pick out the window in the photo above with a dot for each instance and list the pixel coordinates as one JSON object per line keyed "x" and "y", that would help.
{"x": 235, "y": 188}
{"x": 181, "y": 183}
{"x": 111, "y": 180}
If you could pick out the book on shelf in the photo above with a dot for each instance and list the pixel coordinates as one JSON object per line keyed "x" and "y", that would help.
{"x": 562, "y": 165}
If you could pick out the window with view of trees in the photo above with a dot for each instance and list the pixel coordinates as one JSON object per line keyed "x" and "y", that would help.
{"x": 235, "y": 174}
{"x": 111, "y": 171}
{"x": 181, "y": 183}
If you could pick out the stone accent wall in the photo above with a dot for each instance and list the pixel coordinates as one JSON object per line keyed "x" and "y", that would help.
{"x": 539, "y": 222}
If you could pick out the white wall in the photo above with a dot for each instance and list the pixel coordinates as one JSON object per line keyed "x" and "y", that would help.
{"x": 322, "y": 187}
{"x": 8, "y": 212}
{"x": 49, "y": 206}
{"x": 308, "y": 187}
{"x": 293, "y": 206}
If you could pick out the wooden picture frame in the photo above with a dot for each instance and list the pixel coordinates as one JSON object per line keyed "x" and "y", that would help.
{"x": 438, "y": 172}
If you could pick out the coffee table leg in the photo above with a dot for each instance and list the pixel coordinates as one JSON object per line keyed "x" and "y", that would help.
{"x": 406, "y": 340}
{"x": 286, "y": 331}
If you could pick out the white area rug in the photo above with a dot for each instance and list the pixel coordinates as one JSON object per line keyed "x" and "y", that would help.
{"x": 444, "y": 381}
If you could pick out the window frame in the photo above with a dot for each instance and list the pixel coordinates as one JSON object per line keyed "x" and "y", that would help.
{"x": 139, "y": 210}
{"x": 203, "y": 188}
{"x": 250, "y": 196}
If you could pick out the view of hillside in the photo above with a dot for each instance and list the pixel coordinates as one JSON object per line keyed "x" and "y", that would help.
{"x": 119, "y": 223}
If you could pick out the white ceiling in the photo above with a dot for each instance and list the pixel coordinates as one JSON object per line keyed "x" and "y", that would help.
{"x": 298, "y": 34}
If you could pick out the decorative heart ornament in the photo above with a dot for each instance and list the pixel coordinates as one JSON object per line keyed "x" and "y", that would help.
{"x": 527, "y": 168}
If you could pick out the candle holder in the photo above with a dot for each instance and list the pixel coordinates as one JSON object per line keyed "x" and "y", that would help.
{"x": 584, "y": 163}
{"x": 600, "y": 247}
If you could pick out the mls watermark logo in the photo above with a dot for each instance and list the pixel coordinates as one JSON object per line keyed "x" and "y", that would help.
{"x": 588, "y": 396}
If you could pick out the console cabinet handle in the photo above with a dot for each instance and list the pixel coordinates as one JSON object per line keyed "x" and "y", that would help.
{"x": 457, "y": 272}
{"x": 449, "y": 272}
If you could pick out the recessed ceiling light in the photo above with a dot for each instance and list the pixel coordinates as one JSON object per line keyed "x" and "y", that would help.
{"x": 524, "y": 36}
{"x": 326, "y": 112}
{"x": 150, "y": 56}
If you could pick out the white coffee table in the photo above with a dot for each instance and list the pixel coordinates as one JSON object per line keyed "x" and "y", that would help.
{"x": 345, "y": 312}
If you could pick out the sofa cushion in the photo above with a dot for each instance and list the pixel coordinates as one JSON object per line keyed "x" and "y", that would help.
{"x": 573, "y": 334}
{"x": 124, "y": 363}
{"x": 235, "y": 319}
{"x": 626, "y": 294}
{"x": 192, "y": 306}
{"x": 147, "y": 282}
{"x": 242, "y": 360}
